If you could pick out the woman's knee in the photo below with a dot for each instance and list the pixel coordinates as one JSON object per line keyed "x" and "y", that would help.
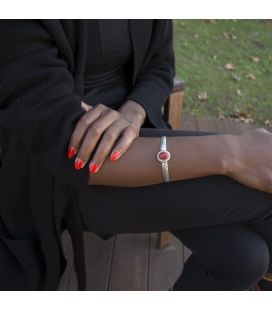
{"x": 230, "y": 252}
{"x": 249, "y": 263}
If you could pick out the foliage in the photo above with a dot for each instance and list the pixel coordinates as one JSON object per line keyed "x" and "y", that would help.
{"x": 227, "y": 67}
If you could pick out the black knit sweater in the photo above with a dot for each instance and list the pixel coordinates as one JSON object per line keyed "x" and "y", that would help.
{"x": 41, "y": 88}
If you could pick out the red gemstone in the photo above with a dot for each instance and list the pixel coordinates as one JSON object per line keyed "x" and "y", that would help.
{"x": 163, "y": 155}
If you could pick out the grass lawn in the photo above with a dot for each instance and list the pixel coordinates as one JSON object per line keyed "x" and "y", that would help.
{"x": 243, "y": 90}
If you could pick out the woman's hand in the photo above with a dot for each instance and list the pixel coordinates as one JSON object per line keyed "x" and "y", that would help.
{"x": 251, "y": 162}
{"x": 133, "y": 112}
{"x": 102, "y": 122}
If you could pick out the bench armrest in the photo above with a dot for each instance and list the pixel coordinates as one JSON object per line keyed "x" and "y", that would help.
{"x": 172, "y": 109}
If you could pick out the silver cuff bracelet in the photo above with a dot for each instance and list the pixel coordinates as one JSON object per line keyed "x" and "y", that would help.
{"x": 163, "y": 157}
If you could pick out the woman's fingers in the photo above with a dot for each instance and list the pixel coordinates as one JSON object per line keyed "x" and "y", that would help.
{"x": 129, "y": 133}
{"x": 93, "y": 135}
{"x": 99, "y": 129}
{"x": 109, "y": 138}
{"x": 82, "y": 126}
{"x": 128, "y": 136}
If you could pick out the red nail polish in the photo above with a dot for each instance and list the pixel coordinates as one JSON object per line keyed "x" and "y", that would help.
{"x": 71, "y": 152}
{"x": 78, "y": 163}
{"x": 115, "y": 155}
{"x": 93, "y": 167}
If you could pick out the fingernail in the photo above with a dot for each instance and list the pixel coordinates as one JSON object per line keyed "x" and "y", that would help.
{"x": 93, "y": 167}
{"x": 83, "y": 105}
{"x": 78, "y": 163}
{"x": 115, "y": 155}
{"x": 71, "y": 152}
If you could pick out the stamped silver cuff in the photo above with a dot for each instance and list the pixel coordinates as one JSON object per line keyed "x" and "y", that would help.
{"x": 163, "y": 157}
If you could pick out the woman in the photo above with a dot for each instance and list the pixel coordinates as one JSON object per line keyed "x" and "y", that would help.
{"x": 95, "y": 88}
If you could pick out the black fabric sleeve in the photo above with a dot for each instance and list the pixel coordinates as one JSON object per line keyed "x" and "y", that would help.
{"x": 37, "y": 97}
{"x": 155, "y": 81}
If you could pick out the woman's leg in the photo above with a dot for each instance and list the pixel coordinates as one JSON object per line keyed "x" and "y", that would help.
{"x": 180, "y": 205}
{"x": 225, "y": 257}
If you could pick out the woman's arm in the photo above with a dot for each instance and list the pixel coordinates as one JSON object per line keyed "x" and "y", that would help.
{"x": 154, "y": 82}
{"x": 191, "y": 157}
{"x": 247, "y": 158}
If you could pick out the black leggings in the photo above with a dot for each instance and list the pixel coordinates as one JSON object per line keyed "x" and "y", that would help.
{"x": 226, "y": 225}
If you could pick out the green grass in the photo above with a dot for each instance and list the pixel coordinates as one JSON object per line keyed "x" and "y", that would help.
{"x": 201, "y": 52}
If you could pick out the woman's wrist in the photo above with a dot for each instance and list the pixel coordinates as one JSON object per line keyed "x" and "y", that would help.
{"x": 229, "y": 150}
{"x": 133, "y": 112}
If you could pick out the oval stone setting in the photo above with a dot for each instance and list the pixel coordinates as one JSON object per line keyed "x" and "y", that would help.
{"x": 163, "y": 156}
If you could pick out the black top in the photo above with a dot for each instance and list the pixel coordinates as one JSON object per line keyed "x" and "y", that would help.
{"x": 107, "y": 74}
{"x": 41, "y": 87}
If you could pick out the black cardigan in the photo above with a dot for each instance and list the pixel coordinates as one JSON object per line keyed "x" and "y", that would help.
{"x": 41, "y": 86}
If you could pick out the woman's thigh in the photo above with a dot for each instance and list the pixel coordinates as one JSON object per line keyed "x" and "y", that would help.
{"x": 200, "y": 202}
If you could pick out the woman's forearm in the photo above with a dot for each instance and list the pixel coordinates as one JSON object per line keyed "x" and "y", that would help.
{"x": 191, "y": 157}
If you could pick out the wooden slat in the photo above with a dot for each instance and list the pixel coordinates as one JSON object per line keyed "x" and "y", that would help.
{"x": 179, "y": 85}
{"x": 99, "y": 255}
{"x": 206, "y": 124}
{"x": 129, "y": 269}
{"x": 98, "y": 263}
{"x": 223, "y": 126}
{"x": 233, "y": 126}
{"x": 189, "y": 122}
{"x": 165, "y": 265}
{"x": 239, "y": 127}
{"x": 174, "y": 109}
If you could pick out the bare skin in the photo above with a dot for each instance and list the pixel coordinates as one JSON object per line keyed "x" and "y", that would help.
{"x": 247, "y": 157}
{"x": 114, "y": 129}
{"x": 139, "y": 165}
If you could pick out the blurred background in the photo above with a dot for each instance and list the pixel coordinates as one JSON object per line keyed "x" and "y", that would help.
{"x": 227, "y": 68}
